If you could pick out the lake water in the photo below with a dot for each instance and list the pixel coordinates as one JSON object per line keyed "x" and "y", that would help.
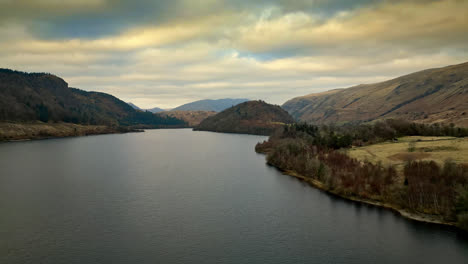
{"x": 178, "y": 196}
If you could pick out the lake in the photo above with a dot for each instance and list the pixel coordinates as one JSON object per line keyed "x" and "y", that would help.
{"x": 179, "y": 196}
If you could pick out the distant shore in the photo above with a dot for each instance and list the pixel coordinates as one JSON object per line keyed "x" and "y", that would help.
{"x": 10, "y": 132}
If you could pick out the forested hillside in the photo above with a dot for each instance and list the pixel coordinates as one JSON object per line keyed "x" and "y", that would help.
{"x": 252, "y": 117}
{"x": 26, "y": 97}
{"x": 192, "y": 118}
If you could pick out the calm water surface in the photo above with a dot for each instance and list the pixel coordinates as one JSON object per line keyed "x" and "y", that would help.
{"x": 178, "y": 196}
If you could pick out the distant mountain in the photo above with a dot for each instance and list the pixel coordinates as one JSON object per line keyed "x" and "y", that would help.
{"x": 193, "y": 118}
{"x": 155, "y": 110}
{"x": 44, "y": 97}
{"x": 134, "y": 106}
{"x": 210, "y": 105}
{"x": 152, "y": 110}
{"x": 429, "y": 96}
{"x": 252, "y": 117}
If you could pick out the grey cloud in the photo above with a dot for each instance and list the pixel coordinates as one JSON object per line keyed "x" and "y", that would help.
{"x": 166, "y": 53}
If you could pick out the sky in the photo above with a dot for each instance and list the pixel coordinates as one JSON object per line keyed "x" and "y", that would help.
{"x": 167, "y": 53}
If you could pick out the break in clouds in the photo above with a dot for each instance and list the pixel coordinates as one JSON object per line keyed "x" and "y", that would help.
{"x": 166, "y": 53}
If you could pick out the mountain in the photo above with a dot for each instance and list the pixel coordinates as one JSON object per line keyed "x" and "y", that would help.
{"x": 152, "y": 110}
{"x": 251, "y": 117}
{"x": 429, "y": 96}
{"x": 28, "y": 97}
{"x": 155, "y": 110}
{"x": 134, "y": 106}
{"x": 192, "y": 118}
{"x": 210, "y": 105}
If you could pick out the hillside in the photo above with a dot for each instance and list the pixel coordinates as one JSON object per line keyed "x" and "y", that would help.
{"x": 210, "y": 105}
{"x": 152, "y": 110}
{"x": 155, "y": 110}
{"x": 30, "y": 97}
{"x": 134, "y": 106}
{"x": 252, "y": 117}
{"x": 192, "y": 118}
{"x": 430, "y": 96}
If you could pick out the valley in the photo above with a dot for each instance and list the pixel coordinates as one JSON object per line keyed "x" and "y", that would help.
{"x": 213, "y": 131}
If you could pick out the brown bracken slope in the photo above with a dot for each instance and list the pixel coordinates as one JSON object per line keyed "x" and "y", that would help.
{"x": 430, "y": 96}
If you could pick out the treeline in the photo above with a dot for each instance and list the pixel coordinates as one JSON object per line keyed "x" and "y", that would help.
{"x": 433, "y": 189}
{"x": 335, "y": 170}
{"x": 336, "y": 137}
{"x": 147, "y": 119}
{"x": 8, "y": 71}
{"x": 422, "y": 187}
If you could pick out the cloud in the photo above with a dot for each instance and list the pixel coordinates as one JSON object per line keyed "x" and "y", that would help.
{"x": 405, "y": 25}
{"x": 166, "y": 53}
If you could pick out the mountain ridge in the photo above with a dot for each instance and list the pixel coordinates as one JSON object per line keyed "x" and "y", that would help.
{"x": 438, "y": 95}
{"x": 216, "y": 105}
{"x": 152, "y": 110}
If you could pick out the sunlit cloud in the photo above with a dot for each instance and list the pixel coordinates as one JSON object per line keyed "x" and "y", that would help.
{"x": 180, "y": 51}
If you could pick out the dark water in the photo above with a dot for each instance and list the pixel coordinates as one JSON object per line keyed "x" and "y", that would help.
{"x": 177, "y": 196}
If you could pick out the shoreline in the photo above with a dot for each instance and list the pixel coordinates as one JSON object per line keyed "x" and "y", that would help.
{"x": 430, "y": 219}
{"x": 67, "y": 136}
{"x": 19, "y": 132}
{"x": 402, "y": 212}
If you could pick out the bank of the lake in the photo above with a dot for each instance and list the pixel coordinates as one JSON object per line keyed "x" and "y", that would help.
{"x": 420, "y": 217}
{"x": 420, "y": 188}
{"x": 10, "y": 131}
{"x": 405, "y": 213}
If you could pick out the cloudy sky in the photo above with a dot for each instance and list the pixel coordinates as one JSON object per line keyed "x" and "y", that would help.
{"x": 166, "y": 53}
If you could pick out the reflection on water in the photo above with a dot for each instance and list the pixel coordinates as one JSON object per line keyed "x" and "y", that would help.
{"x": 178, "y": 196}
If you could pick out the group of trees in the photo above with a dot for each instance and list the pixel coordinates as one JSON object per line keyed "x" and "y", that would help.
{"x": 335, "y": 170}
{"x": 319, "y": 136}
{"x": 336, "y": 137}
{"x": 146, "y": 118}
{"x": 423, "y": 186}
{"x": 437, "y": 190}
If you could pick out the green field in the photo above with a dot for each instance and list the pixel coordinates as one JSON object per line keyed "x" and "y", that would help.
{"x": 397, "y": 153}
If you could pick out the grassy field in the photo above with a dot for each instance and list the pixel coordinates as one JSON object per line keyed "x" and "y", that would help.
{"x": 438, "y": 149}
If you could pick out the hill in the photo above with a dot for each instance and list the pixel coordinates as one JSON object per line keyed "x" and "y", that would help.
{"x": 134, "y": 106}
{"x": 252, "y": 117}
{"x": 155, "y": 110}
{"x": 430, "y": 96}
{"x": 192, "y": 118}
{"x": 30, "y": 97}
{"x": 210, "y": 105}
{"x": 152, "y": 110}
